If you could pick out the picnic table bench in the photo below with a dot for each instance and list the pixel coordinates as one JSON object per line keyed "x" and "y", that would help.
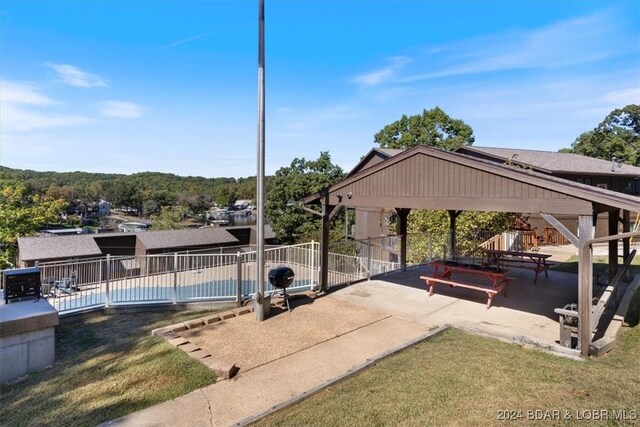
{"x": 497, "y": 278}
{"x": 528, "y": 260}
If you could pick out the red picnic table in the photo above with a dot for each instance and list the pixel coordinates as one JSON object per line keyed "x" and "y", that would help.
{"x": 529, "y": 260}
{"x": 443, "y": 270}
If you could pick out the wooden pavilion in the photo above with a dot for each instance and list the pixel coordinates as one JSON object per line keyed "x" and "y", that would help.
{"x": 429, "y": 178}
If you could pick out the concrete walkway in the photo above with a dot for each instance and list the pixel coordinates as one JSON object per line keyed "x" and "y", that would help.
{"x": 272, "y": 384}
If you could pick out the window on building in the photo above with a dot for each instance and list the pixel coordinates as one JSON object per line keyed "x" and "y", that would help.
{"x": 634, "y": 186}
{"x": 587, "y": 181}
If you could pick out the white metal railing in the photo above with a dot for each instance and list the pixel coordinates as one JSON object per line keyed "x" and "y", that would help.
{"x": 170, "y": 278}
{"x": 188, "y": 277}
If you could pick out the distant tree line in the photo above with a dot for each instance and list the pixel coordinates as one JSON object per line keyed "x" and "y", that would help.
{"x": 147, "y": 192}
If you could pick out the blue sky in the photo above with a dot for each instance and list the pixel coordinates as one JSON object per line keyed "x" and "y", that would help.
{"x": 171, "y": 86}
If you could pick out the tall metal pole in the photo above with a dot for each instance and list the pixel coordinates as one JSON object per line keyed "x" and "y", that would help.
{"x": 259, "y": 306}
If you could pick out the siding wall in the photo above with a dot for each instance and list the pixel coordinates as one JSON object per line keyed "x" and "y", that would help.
{"x": 424, "y": 182}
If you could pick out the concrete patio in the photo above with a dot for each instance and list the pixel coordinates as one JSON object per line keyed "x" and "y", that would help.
{"x": 526, "y": 311}
{"x": 293, "y": 354}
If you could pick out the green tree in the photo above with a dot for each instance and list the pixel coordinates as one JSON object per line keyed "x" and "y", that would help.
{"x": 225, "y": 195}
{"x": 292, "y": 183}
{"x": 433, "y": 128}
{"x": 618, "y": 135}
{"x": 196, "y": 205}
{"x": 22, "y": 214}
{"x": 154, "y": 201}
{"x": 170, "y": 218}
{"x": 434, "y": 227}
{"x": 124, "y": 193}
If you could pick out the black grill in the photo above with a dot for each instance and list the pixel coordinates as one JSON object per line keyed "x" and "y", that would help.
{"x": 21, "y": 283}
{"x": 281, "y": 278}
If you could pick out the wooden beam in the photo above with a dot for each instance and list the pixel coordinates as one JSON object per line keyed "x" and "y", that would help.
{"x": 453, "y": 215}
{"x": 402, "y": 231}
{"x": 561, "y": 228}
{"x": 503, "y": 204}
{"x": 334, "y": 212}
{"x": 585, "y": 286}
{"x": 626, "y": 227}
{"x": 324, "y": 246}
{"x": 311, "y": 210}
{"x": 613, "y": 244}
{"x": 616, "y": 237}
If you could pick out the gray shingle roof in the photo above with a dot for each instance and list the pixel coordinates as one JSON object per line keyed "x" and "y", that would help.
{"x": 389, "y": 151}
{"x": 555, "y": 162}
{"x": 185, "y": 238}
{"x": 54, "y": 247}
{"x": 268, "y": 231}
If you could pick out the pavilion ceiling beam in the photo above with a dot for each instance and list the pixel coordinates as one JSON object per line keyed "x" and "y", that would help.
{"x": 561, "y": 228}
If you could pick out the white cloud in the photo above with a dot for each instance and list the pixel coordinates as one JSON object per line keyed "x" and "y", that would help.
{"x": 121, "y": 109}
{"x": 566, "y": 43}
{"x": 22, "y": 93}
{"x": 374, "y": 78}
{"x": 315, "y": 119}
{"x": 74, "y": 76}
{"x": 23, "y": 108}
{"x": 571, "y": 42}
{"x": 623, "y": 97}
{"x": 187, "y": 40}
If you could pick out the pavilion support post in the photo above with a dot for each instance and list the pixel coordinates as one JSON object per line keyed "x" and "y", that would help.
{"x": 613, "y": 244}
{"x": 626, "y": 227}
{"x": 453, "y": 215}
{"x": 585, "y": 286}
{"x": 402, "y": 230}
{"x": 324, "y": 245}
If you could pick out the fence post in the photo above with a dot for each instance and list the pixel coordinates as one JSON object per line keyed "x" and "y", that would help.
{"x": 239, "y": 279}
{"x": 107, "y": 277}
{"x": 175, "y": 277}
{"x": 368, "y": 257}
{"x": 312, "y": 262}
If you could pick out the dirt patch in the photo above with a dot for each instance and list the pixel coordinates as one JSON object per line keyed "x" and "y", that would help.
{"x": 247, "y": 343}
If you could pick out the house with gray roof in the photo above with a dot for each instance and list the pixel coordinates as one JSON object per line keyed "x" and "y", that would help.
{"x": 608, "y": 174}
{"x": 82, "y": 246}
{"x": 247, "y": 234}
{"x": 167, "y": 241}
{"x": 56, "y": 248}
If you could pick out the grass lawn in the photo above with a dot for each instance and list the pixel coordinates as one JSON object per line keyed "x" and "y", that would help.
{"x": 106, "y": 366}
{"x": 465, "y": 380}
{"x": 600, "y": 264}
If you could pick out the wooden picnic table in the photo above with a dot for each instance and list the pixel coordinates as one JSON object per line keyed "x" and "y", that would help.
{"x": 496, "y": 276}
{"x": 529, "y": 260}
{"x": 444, "y": 270}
